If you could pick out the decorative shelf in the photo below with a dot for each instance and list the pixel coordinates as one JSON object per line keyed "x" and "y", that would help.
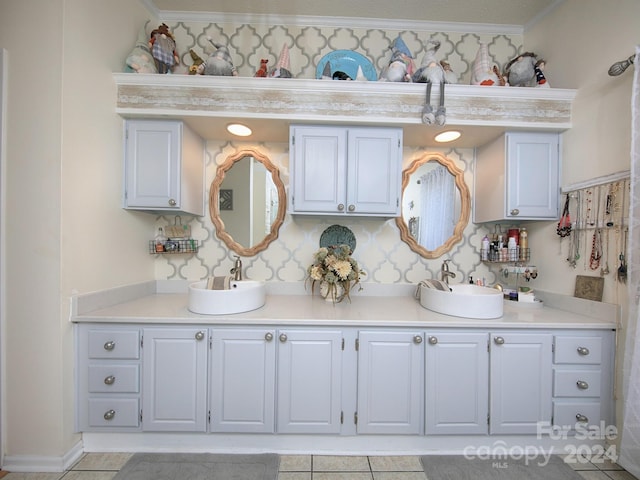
{"x": 172, "y": 247}
{"x": 198, "y": 98}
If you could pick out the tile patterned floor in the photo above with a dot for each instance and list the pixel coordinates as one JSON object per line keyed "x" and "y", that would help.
{"x": 105, "y": 466}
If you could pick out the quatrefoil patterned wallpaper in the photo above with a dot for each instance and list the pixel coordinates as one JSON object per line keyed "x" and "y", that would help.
{"x": 384, "y": 257}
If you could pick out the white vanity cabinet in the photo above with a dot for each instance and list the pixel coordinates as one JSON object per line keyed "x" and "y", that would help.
{"x": 174, "y": 387}
{"x": 582, "y": 379}
{"x": 243, "y": 379}
{"x": 520, "y": 381}
{"x": 163, "y": 167}
{"x": 345, "y": 170}
{"x": 390, "y": 382}
{"x": 108, "y": 378}
{"x": 457, "y": 382}
{"x": 517, "y": 177}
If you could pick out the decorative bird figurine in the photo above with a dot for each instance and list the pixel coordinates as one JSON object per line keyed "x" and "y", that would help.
{"x": 520, "y": 71}
{"x": 219, "y": 61}
{"x": 432, "y": 72}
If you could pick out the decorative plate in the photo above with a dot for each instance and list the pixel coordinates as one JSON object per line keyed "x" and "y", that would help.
{"x": 338, "y": 235}
{"x": 347, "y": 61}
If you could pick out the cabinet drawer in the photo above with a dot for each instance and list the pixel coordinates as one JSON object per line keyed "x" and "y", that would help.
{"x": 113, "y": 379}
{"x": 569, "y": 413}
{"x": 576, "y": 383}
{"x": 121, "y": 344}
{"x": 117, "y": 412}
{"x": 579, "y": 350}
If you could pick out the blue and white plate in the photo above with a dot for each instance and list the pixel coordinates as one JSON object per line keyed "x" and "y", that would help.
{"x": 347, "y": 61}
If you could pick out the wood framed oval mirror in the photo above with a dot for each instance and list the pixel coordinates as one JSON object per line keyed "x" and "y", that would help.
{"x": 247, "y": 202}
{"x": 435, "y": 205}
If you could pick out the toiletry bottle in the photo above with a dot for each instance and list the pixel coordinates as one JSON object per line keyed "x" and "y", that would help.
{"x": 484, "y": 250}
{"x": 513, "y": 250}
{"x": 160, "y": 240}
{"x": 524, "y": 245}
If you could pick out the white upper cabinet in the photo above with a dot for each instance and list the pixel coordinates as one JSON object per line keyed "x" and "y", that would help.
{"x": 517, "y": 178}
{"x": 164, "y": 167}
{"x": 346, "y": 171}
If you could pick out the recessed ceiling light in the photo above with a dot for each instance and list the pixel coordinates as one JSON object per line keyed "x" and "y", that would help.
{"x": 239, "y": 130}
{"x": 448, "y": 136}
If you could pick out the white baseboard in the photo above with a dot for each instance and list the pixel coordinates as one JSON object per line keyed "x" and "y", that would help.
{"x": 39, "y": 463}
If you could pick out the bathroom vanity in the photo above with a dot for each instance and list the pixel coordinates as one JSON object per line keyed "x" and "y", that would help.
{"x": 300, "y": 374}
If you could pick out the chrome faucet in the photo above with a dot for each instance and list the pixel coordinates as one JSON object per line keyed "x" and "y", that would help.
{"x": 445, "y": 273}
{"x": 237, "y": 269}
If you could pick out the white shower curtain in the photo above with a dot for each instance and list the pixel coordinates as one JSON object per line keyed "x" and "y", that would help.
{"x": 437, "y": 206}
{"x": 630, "y": 442}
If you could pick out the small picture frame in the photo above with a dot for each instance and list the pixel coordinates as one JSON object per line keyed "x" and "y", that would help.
{"x": 226, "y": 199}
{"x": 590, "y": 288}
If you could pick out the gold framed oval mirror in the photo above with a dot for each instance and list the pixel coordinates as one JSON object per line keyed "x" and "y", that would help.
{"x": 247, "y": 202}
{"x": 435, "y": 205}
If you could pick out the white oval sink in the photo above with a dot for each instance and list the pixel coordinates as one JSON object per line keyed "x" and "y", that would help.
{"x": 242, "y": 296}
{"x": 464, "y": 300}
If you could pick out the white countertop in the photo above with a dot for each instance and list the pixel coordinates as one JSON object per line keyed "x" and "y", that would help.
{"x": 149, "y": 306}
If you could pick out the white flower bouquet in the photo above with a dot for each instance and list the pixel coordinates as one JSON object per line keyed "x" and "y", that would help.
{"x": 336, "y": 271}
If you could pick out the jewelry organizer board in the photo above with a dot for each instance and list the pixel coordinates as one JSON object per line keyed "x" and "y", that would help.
{"x": 599, "y": 210}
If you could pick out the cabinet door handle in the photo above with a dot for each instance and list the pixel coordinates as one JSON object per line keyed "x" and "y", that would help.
{"x": 417, "y": 339}
{"x": 283, "y": 337}
{"x": 515, "y": 211}
{"x": 199, "y": 335}
{"x": 433, "y": 340}
{"x": 583, "y": 350}
{"x": 110, "y": 345}
{"x": 341, "y": 207}
{"x": 352, "y": 208}
{"x": 172, "y": 202}
{"x": 268, "y": 336}
{"x": 582, "y": 385}
{"x": 109, "y": 414}
{"x": 498, "y": 340}
{"x": 110, "y": 380}
{"x": 581, "y": 418}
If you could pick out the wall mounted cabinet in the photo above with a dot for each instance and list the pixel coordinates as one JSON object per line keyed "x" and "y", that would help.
{"x": 517, "y": 177}
{"x": 345, "y": 171}
{"x": 164, "y": 167}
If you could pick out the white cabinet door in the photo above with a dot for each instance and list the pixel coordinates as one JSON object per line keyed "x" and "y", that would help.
{"x": 320, "y": 170}
{"x": 457, "y": 383}
{"x": 390, "y": 382}
{"x": 243, "y": 376}
{"x": 374, "y": 171}
{"x": 517, "y": 178}
{"x": 346, "y": 171}
{"x": 174, "y": 388}
{"x": 309, "y": 381}
{"x": 164, "y": 167}
{"x": 520, "y": 382}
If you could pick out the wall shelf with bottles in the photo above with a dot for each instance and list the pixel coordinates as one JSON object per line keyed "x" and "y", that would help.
{"x": 188, "y": 245}
{"x": 505, "y": 255}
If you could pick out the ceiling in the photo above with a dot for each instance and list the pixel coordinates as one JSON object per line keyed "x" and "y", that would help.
{"x": 498, "y": 12}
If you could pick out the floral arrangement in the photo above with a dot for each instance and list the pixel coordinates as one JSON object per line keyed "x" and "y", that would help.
{"x": 336, "y": 271}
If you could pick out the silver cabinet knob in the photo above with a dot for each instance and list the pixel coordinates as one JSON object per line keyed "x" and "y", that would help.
{"x": 341, "y": 207}
{"x": 515, "y": 211}
{"x": 433, "y": 340}
{"x": 582, "y": 418}
{"x": 268, "y": 336}
{"x": 283, "y": 337}
{"x": 582, "y": 385}
{"x": 583, "y": 350}
{"x": 417, "y": 339}
{"x": 498, "y": 340}
{"x": 172, "y": 202}
{"x": 109, "y": 414}
{"x": 352, "y": 208}
{"x": 199, "y": 335}
{"x": 110, "y": 345}
{"x": 110, "y": 380}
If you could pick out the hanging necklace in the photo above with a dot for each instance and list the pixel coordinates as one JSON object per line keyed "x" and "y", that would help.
{"x": 596, "y": 246}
